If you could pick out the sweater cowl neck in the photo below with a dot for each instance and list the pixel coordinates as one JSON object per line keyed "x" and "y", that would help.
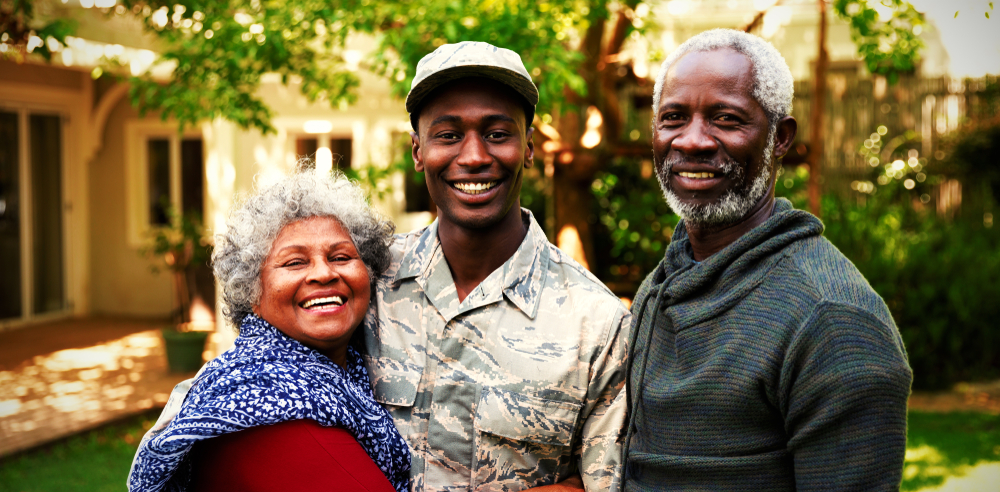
{"x": 685, "y": 278}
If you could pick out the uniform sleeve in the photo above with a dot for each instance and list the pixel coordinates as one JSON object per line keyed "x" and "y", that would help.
{"x": 600, "y": 444}
{"x": 845, "y": 382}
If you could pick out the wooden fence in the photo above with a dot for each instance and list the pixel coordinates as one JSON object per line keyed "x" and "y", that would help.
{"x": 915, "y": 113}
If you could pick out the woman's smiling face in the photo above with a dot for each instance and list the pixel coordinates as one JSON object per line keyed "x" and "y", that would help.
{"x": 314, "y": 285}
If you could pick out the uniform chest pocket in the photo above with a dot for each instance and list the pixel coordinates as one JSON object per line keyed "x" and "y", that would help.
{"x": 393, "y": 382}
{"x": 526, "y": 418}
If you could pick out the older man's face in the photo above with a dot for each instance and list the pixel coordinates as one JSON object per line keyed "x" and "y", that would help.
{"x": 712, "y": 145}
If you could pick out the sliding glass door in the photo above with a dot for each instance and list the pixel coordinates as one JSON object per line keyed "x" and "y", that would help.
{"x": 32, "y": 261}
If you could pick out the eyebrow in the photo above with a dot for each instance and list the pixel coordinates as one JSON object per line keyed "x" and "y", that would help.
{"x": 449, "y": 118}
{"x": 674, "y": 105}
{"x": 294, "y": 247}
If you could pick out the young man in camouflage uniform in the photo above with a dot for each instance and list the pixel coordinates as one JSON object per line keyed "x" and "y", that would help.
{"x": 500, "y": 358}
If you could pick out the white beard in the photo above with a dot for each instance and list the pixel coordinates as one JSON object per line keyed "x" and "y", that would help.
{"x": 734, "y": 204}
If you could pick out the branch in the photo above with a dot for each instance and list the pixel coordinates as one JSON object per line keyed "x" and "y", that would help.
{"x": 759, "y": 17}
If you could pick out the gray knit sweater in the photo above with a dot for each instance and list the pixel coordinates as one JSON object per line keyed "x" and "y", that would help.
{"x": 772, "y": 365}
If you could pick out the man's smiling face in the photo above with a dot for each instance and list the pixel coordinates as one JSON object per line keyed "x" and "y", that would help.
{"x": 712, "y": 142}
{"x": 472, "y": 146}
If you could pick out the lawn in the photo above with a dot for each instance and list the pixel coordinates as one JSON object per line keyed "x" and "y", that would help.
{"x": 940, "y": 446}
{"x": 95, "y": 461}
{"x": 943, "y": 445}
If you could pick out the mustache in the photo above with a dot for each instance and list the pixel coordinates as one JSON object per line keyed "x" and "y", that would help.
{"x": 727, "y": 165}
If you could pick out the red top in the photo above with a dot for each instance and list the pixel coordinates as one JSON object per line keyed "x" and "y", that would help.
{"x": 291, "y": 456}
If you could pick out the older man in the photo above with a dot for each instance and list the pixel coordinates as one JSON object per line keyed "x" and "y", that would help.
{"x": 499, "y": 357}
{"x": 762, "y": 359}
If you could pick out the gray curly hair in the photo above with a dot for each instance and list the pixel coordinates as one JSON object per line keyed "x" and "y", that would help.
{"x": 773, "y": 86}
{"x": 257, "y": 219}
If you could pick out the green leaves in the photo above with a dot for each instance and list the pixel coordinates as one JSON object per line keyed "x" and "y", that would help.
{"x": 221, "y": 49}
{"x": 887, "y": 34}
{"x": 541, "y": 32}
{"x": 22, "y": 33}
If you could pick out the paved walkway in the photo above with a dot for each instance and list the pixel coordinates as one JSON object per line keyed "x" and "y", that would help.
{"x": 61, "y": 378}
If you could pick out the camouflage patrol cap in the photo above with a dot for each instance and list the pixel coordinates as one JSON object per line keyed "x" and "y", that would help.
{"x": 470, "y": 59}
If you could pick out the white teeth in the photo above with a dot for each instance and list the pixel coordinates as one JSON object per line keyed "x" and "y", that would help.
{"x": 324, "y": 300}
{"x": 475, "y": 188}
{"x": 697, "y": 175}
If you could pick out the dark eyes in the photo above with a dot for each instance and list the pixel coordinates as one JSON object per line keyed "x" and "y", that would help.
{"x": 677, "y": 118}
{"x": 339, "y": 258}
{"x": 491, "y": 135}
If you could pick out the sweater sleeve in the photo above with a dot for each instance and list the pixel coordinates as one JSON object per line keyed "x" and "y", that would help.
{"x": 844, "y": 386}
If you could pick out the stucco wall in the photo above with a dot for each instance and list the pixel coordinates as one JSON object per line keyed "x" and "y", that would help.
{"x": 121, "y": 280}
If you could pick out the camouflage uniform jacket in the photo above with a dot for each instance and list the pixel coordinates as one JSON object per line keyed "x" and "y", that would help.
{"x": 517, "y": 386}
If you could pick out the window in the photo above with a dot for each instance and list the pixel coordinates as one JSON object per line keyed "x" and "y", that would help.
{"x": 189, "y": 196}
{"x": 165, "y": 170}
{"x": 306, "y": 147}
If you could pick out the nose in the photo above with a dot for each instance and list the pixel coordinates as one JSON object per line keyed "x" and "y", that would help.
{"x": 322, "y": 272}
{"x": 474, "y": 152}
{"x": 695, "y": 138}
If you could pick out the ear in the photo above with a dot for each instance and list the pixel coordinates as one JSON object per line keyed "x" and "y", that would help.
{"x": 784, "y": 136}
{"x": 529, "y": 151}
{"x": 418, "y": 164}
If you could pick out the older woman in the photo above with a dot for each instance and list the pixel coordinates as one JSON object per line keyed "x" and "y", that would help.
{"x": 290, "y": 407}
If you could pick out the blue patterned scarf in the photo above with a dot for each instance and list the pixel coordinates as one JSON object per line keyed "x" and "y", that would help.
{"x": 268, "y": 378}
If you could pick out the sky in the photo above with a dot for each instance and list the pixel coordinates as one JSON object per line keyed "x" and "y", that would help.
{"x": 972, "y": 40}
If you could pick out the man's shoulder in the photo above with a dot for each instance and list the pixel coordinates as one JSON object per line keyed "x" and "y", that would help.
{"x": 817, "y": 268}
{"x": 566, "y": 274}
{"x": 401, "y": 244}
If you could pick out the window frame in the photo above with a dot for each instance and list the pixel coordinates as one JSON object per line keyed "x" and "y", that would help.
{"x": 138, "y": 133}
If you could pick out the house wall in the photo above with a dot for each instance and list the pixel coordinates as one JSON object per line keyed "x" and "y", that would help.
{"x": 122, "y": 282}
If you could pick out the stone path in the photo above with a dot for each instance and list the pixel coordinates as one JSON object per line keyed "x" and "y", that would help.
{"x": 65, "y": 377}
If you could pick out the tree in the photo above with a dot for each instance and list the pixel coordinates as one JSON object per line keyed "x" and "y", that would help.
{"x": 572, "y": 48}
{"x": 221, "y": 49}
{"x": 22, "y": 34}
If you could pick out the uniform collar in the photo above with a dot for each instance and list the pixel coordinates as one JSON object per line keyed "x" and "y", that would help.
{"x": 520, "y": 278}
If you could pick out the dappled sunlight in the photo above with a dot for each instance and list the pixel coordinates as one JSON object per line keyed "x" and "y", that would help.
{"x": 957, "y": 451}
{"x": 981, "y": 477}
{"x": 54, "y": 395}
{"x": 923, "y": 463}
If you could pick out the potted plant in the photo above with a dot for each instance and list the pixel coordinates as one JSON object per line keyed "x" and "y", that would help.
{"x": 180, "y": 247}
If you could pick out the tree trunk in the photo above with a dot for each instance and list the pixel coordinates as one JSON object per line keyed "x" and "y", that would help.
{"x": 575, "y": 166}
{"x": 817, "y": 118}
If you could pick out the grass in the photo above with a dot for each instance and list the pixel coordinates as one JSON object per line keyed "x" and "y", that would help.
{"x": 939, "y": 446}
{"x": 943, "y": 445}
{"x": 95, "y": 461}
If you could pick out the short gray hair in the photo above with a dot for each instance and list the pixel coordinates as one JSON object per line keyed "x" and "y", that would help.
{"x": 257, "y": 219}
{"x": 773, "y": 86}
